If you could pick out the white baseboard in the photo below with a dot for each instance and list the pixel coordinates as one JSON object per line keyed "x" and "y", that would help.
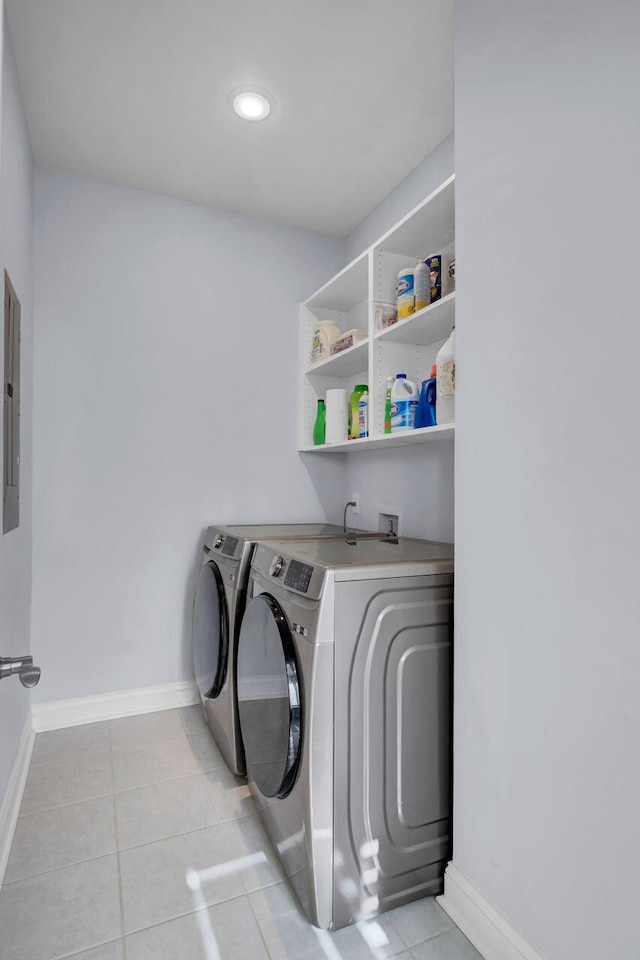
{"x": 110, "y": 706}
{"x": 13, "y": 794}
{"x": 488, "y": 930}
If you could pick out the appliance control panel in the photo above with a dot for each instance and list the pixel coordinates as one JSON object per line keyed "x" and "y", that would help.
{"x": 298, "y": 576}
{"x": 276, "y": 566}
{"x": 222, "y": 545}
{"x": 229, "y": 547}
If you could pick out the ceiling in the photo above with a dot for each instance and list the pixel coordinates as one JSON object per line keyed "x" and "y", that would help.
{"x": 136, "y": 92}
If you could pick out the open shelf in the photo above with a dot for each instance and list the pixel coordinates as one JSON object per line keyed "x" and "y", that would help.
{"x": 345, "y": 290}
{"x": 422, "y": 435}
{"x": 434, "y": 322}
{"x": 429, "y": 227}
{"x": 342, "y": 364}
{"x": 409, "y": 346}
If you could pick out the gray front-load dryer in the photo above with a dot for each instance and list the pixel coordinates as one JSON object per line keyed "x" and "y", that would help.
{"x": 217, "y": 610}
{"x": 344, "y": 695}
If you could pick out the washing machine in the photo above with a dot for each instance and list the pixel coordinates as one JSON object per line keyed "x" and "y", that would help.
{"x": 344, "y": 677}
{"x": 217, "y": 610}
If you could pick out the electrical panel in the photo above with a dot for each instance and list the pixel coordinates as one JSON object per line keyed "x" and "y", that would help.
{"x": 11, "y": 409}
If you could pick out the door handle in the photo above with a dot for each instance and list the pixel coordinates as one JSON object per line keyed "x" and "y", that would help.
{"x": 23, "y": 666}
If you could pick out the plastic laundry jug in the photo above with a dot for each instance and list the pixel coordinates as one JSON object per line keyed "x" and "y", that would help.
{"x": 387, "y": 405}
{"x": 446, "y": 387}
{"x": 320, "y": 426}
{"x": 426, "y": 409}
{"x": 354, "y": 415}
{"x": 363, "y": 415}
{"x": 404, "y": 400}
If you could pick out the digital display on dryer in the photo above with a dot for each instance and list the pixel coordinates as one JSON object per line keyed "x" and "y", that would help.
{"x": 298, "y": 576}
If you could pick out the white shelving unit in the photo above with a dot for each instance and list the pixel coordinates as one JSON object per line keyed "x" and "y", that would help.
{"x": 409, "y": 346}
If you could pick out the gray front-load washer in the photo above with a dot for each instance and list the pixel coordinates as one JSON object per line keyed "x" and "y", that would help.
{"x": 344, "y": 695}
{"x": 217, "y": 610}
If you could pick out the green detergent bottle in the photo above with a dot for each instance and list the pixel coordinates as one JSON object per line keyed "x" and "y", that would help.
{"x": 320, "y": 426}
{"x": 354, "y": 413}
{"x": 387, "y": 405}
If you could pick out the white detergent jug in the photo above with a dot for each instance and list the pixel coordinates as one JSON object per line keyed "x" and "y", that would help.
{"x": 404, "y": 400}
{"x": 446, "y": 382}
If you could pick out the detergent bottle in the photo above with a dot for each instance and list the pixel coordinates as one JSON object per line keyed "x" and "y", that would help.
{"x": 446, "y": 370}
{"x": 354, "y": 415}
{"x": 404, "y": 400}
{"x": 422, "y": 285}
{"x": 320, "y": 426}
{"x": 426, "y": 409}
{"x": 363, "y": 415}
{"x": 405, "y": 293}
{"x": 387, "y": 405}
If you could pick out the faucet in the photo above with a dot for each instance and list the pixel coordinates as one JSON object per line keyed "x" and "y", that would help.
{"x": 23, "y": 666}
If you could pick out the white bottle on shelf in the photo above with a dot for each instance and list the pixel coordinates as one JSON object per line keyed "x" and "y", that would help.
{"x": 446, "y": 382}
{"x": 404, "y": 400}
{"x": 422, "y": 285}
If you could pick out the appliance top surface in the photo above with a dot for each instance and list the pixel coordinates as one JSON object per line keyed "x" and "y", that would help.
{"x": 370, "y": 556}
{"x": 282, "y": 531}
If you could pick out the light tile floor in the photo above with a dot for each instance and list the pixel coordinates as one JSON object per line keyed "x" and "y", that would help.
{"x": 113, "y": 816}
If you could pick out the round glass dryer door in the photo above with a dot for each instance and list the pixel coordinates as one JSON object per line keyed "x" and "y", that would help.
{"x": 269, "y": 697}
{"x": 210, "y": 638}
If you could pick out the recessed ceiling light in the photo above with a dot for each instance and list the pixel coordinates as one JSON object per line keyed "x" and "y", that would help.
{"x": 251, "y": 105}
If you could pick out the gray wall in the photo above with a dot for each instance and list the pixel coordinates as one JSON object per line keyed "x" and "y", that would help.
{"x": 166, "y": 351}
{"x": 16, "y": 178}
{"x": 416, "y": 482}
{"x": 547, "y": 723}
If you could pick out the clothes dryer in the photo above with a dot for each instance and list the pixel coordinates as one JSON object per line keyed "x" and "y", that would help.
{"x": 218, "y": 606}
{"x": 344, "y": 696}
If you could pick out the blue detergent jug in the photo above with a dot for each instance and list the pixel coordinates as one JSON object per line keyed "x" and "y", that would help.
{"x": 426, "y": 409}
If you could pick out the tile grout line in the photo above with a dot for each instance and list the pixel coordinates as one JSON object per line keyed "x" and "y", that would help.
{"x": 154, "y": 783}
{"x": 181, "y": 916}
{"x": 61, "y": 759}
{"x": 79, "y": 953}
{"x": 61, "y": 806}
{"x": 69, "y": 803}
{"x": 209, "y": 797}
{"x": 99, "y": 796}
{"x": 259, "y": 926}
{"x": 118, "y": 870}
{"x": 433, "y": 936}
{"x": 136, "y": 846}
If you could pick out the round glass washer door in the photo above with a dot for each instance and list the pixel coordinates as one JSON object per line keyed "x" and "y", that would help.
{"x": 210, "y": 636}
{"x": 269, "y": 697}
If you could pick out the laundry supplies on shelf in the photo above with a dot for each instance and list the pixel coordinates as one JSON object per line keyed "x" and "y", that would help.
{"x": 422, "y": 285}
{"x": 325, "y": 333}
{"x": 363, "y": 415}
{"x": 354, "y": 413}
{"x": 405, "y": 292}
{"x": 394, "y": 306}
{"x": 446, "y": 381}
{"x": 442, "y": 277}
{"x": 320, "y": 426}
{"x": 404, "y": 400}
{"x": 347, "y": 340}
{"x": 426, "y": 409}
{"x": 337, "y": 416}
{"x": 385, "y": 314}
{"x": 387, "y": 405}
